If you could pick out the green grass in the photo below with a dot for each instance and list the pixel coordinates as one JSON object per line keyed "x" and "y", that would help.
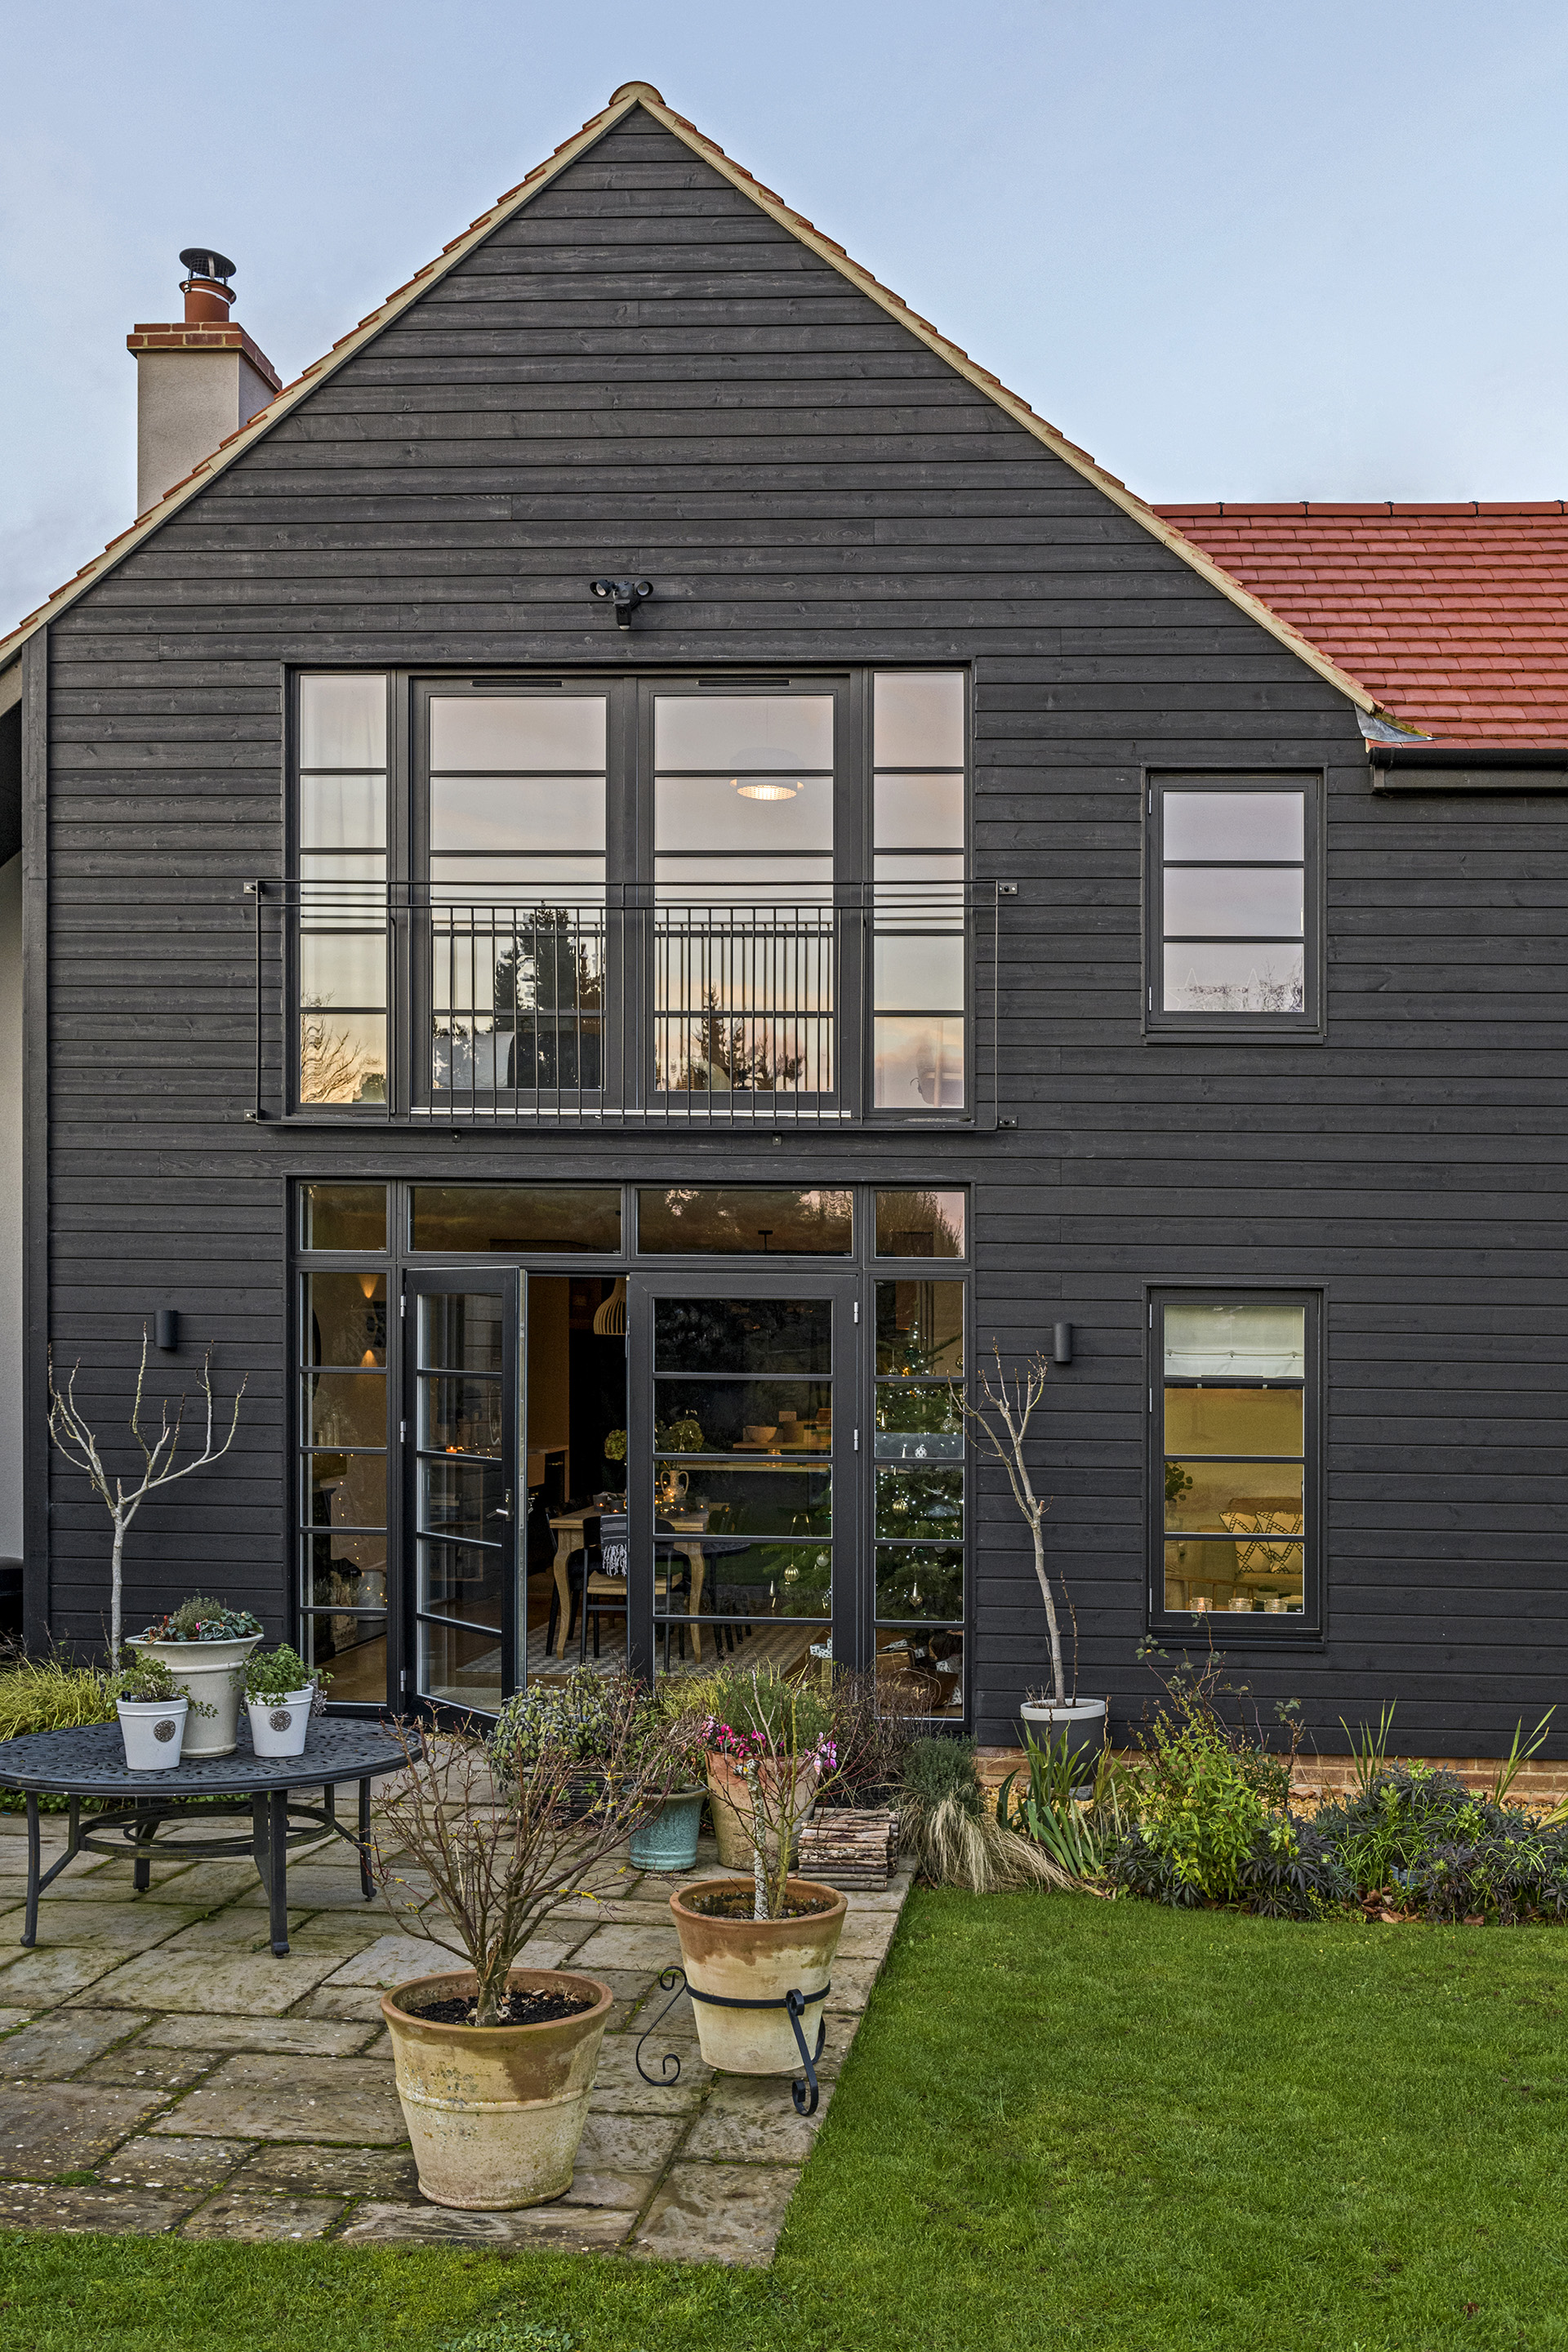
{"x": 1064, "y": 2123}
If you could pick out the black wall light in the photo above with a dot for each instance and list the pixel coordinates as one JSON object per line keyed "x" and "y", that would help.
{"x": 1061, "y": 1344}
{"x": 166, "y": 1328}
{"x": 629, "y": 594}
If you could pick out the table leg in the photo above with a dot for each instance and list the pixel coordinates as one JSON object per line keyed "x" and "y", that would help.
{"x": 564, "y": 1603}
{"x": 141, "y": 1872}
{"x": 30, "y": 1929}
{"x": 367, "y": 1883}
{"x": 277, "y": 1870}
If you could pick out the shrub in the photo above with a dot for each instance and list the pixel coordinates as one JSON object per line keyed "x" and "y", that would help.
{"x": 579, "y": 1716}
{"x": 51, "y": 1695}
{"x": 955, "y": 1836}
{"x": 1417, "y": 1840}
{"x": 273, "y": 1674}
{"x": 747, "y": 1698}
{"x": 147, "y": 1681}
{"x": 872, "y": 1740}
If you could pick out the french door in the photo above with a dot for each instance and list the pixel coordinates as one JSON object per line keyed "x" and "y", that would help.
{"x": 743, "y": 1440}
{"x": 463, "y": 1370}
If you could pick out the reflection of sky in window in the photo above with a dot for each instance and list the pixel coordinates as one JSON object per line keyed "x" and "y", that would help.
{"x": 1233, "y": 901}
{"x": 1235, "y": 825}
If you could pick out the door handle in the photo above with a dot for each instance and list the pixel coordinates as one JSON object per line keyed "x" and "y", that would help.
{"x": 503, "y": 1511}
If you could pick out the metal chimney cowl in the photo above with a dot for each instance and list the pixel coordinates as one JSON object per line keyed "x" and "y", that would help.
{"x": 198, "y": 379}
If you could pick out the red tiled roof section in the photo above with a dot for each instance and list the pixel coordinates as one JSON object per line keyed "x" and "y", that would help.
{"x": 1454, "y": 615}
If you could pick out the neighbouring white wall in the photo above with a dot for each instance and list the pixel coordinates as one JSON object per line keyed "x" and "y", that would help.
{"x": 11, "y": 1209}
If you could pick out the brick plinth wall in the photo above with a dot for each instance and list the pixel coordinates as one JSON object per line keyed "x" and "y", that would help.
{"x": 1317, "y": 1776}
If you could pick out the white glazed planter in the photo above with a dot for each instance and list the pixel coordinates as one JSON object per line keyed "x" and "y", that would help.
{"x": 153, "y": 1730}
{"x": 278, "y": 1726}
{"x": 206, "y": 1671}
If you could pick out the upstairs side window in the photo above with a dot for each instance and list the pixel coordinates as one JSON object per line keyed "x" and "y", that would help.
{"x": 1232, "y": 914}
{"x": 341, "y": 814}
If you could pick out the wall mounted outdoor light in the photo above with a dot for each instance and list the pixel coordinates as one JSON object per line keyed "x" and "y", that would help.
{"x": 629, "y": 594}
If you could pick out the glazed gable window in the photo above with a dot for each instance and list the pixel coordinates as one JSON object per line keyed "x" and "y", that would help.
{"x": 1232, "y": 911}
{"x": 341, "y": 825}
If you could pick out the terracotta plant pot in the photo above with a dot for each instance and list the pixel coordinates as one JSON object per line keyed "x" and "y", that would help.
{"x": 731, "y": 1801}
{"x": 757, "y": 1960}
{"x": 495, "y": 2112}
{"x": 206, "y": 1671}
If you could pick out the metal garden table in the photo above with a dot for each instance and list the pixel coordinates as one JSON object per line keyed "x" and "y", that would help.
{"x": 90, "y": 1762}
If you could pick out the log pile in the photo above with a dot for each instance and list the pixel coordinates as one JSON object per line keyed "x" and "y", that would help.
{"x": 854, "y": 1851}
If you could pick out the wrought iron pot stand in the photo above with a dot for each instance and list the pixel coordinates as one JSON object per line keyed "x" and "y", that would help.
{"x": 802, "y": 2089}
{"x": 90, "y": 1762}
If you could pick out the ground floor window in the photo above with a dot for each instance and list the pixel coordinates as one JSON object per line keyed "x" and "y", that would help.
{"x": 509, "y": 1467}
{"x": 1235, "y": 1407}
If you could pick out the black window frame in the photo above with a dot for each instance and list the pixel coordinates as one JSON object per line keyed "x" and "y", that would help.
{"x": 1309, "y": 1025}
{"x": 1236, "y": 1627}
{"x": 627, "y": 1087}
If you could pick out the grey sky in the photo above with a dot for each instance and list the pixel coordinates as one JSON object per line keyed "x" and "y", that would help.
{"x": 1234, "y": 250}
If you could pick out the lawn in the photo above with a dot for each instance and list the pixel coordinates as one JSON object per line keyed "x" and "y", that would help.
{"x": 1064, "y": 2122}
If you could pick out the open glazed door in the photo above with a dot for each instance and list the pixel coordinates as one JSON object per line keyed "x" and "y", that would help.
{"x": 464, "y": 1368}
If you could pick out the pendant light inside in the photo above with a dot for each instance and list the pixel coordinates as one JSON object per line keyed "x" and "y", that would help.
{"x": 765, "y": 792}
{"x": 610, "y": 1315}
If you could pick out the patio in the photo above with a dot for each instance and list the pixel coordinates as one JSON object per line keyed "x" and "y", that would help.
{"x": 161, "y": 2072}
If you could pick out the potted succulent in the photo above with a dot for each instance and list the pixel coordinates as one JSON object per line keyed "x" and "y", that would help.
{"x": 1000, "y": 1420}
{"x": 496, "y": 2061}
{"x": 202, "y": 1642}
{"x": 746, "y": 1947}
{"x": 152, "y": 1711}
{"x": 281, "y": 1692}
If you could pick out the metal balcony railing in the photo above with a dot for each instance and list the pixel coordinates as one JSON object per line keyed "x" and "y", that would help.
{"x": 879, "y": 1000}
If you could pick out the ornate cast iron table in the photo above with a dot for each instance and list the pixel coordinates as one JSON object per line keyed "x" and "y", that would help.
{"x": 90, "y": 1762}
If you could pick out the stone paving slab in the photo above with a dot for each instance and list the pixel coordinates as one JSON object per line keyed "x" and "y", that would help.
{"x": 174, "y": 2162}
{"x": 717, "y": 2213}
{"x": 120, "y": 2212}
{"x": 750, "y": 2120}
{"x": 350, "y": 2099}
{"x": 345, "y": 2001}
{"x": 56, "y": 2046}
{"x": 149, "y": 2069}
{"x": 46, "y": 2129}
{"x": 304, "y": 2037}
{"x": 558, "y": 2229}
{"x": 43, "y": 1979}
{"x": 122, "y": 1927}
{"x": 255, "y": 2219}
{"x": 245, "y": 1984}
{"x": 304, "y": 2169}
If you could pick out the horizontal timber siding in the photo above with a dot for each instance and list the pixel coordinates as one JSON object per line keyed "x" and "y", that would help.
{"x": 641, "y": 374}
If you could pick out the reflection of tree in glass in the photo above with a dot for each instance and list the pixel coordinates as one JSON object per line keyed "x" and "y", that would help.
{"x": 549, "y": 992}
{"x": 731, "y": 1056}
{"x": 919, "y": 1502}
{"x": 915, "y": 1224}
{"x": 332, "y": 1066}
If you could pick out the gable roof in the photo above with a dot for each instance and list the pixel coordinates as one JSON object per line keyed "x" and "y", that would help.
{"x": 1455, "y": 615}
{"x": 631, "y": 95}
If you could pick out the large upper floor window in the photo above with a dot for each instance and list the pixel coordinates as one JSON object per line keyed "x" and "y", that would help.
{"x": 1235, "y": 1405}
{"x": 1232, "y": 913}
{"x": 741, "y": 897}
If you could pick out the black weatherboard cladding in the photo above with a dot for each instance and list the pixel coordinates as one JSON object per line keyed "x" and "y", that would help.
{"x": 640, "y": 375}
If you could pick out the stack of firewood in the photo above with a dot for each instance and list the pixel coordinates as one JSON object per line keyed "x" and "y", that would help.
{"x": 854, "y": 1851}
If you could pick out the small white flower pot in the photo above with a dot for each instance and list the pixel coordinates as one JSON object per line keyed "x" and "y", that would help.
{"x": 206, "y": 1671}
{"x": 278, "y": 1726}
{"x": 153, "y": 1730}
{"x": 1082, "y": 1719}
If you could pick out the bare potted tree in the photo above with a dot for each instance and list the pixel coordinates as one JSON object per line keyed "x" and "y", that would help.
{"x": 495, "y": 2061}
{"x": 999, "y": 1416}
{"x": 74, "y": 1437}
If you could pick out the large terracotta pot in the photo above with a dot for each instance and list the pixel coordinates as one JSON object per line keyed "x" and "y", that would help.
{"x": 208, "y": 1671}
{"x": 495, "y": 2112}
{"x": 757, "y": 1960}
{"x": 730, "y": 1801}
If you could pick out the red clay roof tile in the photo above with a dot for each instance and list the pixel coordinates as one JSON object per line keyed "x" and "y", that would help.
{"x": 1455, "y": 613}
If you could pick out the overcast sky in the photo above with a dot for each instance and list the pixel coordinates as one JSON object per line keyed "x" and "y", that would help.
{"x": 1236, "y": 248}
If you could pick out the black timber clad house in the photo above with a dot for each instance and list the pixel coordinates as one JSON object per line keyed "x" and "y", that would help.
{"x": 536, "y": 1128}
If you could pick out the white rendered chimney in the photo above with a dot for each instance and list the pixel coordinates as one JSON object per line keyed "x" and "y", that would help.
{"x": 196, "y": 381}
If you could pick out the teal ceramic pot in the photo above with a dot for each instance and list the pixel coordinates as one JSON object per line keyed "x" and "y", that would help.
{"x": 669, "y": 1841}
